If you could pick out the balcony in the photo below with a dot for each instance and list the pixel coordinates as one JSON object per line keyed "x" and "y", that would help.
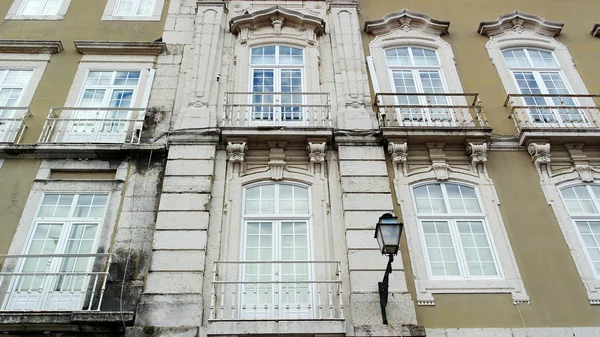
{"x": 244, "y": 292}
{"x": 435, "y": 116}
{"x": 12, "y": 123}
{"x": 564, "y": 118}
{"x": 93, "y": 125}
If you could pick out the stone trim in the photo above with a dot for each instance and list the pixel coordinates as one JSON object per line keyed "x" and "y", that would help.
{"x": 596, "y": 30}
{"x": 31, "y": 46}
{"x": 119, "y": 48}
{"x": 519, "y": 21}
{"x": 276, "y": 16}
{"x": 406, "y": 20}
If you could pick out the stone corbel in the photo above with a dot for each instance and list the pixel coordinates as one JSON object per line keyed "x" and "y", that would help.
{"x": 585, "y": 173}
{"x": 277, "y": 22}
{"x": 438, "y": 161}
{"x": 244, "y": 35}
{"x": 277, "y": 160}
{"x": 477, "y": 154}
{"x": 236, "y": 153}
{"x": 399, "y": 154}
{"x": 316, "y": 153}
{"x": 540, "y": 156}
{"x": 580, "y": 162}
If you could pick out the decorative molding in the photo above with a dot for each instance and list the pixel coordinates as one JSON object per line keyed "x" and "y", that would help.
{"x": 585, "y": 173}
{"x": 519, "y": 21}
{"x": 276, "y": 16}
{"x": 438, "y": 161}
{"x": 316, "y": 152}
{"x": 277, "y": 160}
{"x": 580, "y": 161}
{"x": 398, "y": 151}
{"x": 477, "y": 153}
{"x": 119, "y": 48}
{"x": 540, "y": 153}
{"x": 277, "y": 167}
{"x": 596, "y": 30}
{"x": 30, "y": 46}
{"x": 407, "y": 20}
{"x": 236, "y": 152}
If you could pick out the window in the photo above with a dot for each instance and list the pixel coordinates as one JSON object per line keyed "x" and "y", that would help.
{"x": 417, "y": 70}
{"x": 536, "y": 71}
{"x": 115, "y": 89}
{"x": 276, "y": 71}
{"x": 583, "y": 205}
{"x": 144, "y": 10}
{"x": 13, "y": 83}
{"x": 276, "y": 228}
{"x": 38, "y": 9}
{"x": 456, "y": 240}
{"x": 64, "y": 224}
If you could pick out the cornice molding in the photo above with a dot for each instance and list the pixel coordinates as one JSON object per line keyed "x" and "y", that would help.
{"x": 519, "y": 21}
{"x": 276, "y": 15}
{"x": 119, "y": 47}
{"x": 407, "y": 20}
{"x": 596, "y": 30}
{"x": 30, "y": 46}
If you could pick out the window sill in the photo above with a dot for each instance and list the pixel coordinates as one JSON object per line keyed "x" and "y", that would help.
{"x": 426, "y": 289}
{"x": 281, "y": 327}
{"x": 35, "y": 17}
{"x": 130, "y": 18}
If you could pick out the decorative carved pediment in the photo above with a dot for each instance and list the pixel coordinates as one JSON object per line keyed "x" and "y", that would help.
{"x": 407, "y": 20}
{"x": 596, "y": 30}
{"x": 276, "y": 17}
{"x": 519, "y": 21}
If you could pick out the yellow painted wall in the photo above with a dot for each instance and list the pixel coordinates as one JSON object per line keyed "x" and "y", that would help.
{"x": 558, "y": 297}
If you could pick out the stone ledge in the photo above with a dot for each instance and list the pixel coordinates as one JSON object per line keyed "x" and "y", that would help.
{"x": 279, "y": 328}
{"x": 31, "y": 46}
{"x": 119, "y": 47}
{"x": 97, "y": 321}
{"x": 74, "y": 151}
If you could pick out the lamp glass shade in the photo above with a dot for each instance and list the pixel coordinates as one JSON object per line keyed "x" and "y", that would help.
{"x": 388, "y": 233}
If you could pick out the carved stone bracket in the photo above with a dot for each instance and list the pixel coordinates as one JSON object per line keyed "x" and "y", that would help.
{"x": 438, "y": 161}
{"x": 277, "y": 160}
{"x": 585, "y": 173}
{"x": 540, "y": 155}
{"x": 398, "y": 151}
{"x": 477, "y": 153}
{"x": 580, "y": 161}
{"x": 316, "y": 152}
{"x": 277, "y": 167}
{"x": 236, "y": 152}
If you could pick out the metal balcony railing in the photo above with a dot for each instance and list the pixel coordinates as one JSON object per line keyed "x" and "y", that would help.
{"x": 93, "y": 125}
{"x": 447, "y": 110}
{"x": 279, "y": 294}
{"x": 545, "y": 111}
{"x": 53, "y": 282}
{"x": 12, "y": 123}
{"x": 310, "y": 109}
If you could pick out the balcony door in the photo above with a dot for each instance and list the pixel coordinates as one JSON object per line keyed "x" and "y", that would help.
{"x": 96, "y": 122}
{"x": 66, "y": 224}
{"x": 417, "y": 72}
{"x": 276, "y": 73}
{"x": 536, "y": 71}
{"x": 12, "y": 86}
{"x": 276, "y": 236}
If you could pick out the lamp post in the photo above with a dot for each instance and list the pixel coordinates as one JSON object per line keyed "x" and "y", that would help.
{"x": 387, "y": 233}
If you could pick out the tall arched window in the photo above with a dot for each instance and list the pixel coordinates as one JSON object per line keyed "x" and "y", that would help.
{"x": 416, "y": 70}
{"x": 583, "y": 205}
{"x": 276, "y": 230}
{"x": 536, "y": 71}
{"x": 276, "y": 72}
{"x": 456, "y": 238}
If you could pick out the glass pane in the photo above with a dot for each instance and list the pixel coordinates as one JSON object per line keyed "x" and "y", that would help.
{"x": 424, "y": 57}
{"x": 398, "y": 57}
{"x": 476, "y": 248}
{"x": 516, "y": 58}
{"x": 263, "y": 55}
{"x": 541, "y": 58}
{"x": 578, "y": 200}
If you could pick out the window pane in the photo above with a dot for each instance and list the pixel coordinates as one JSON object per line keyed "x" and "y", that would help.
{"x": 541, "y": 58}
{"x": 578, "y": 200}
{"x": 263, "y": 55}
{"x": 398, "y": 57}
{"x": 429, "y": 199}
{"x": 476, "y": 248}
{"x": 516, "y": 58}
{"x": 590, "y": 234}
{"x": 440, "y": 249}
{"x": 424, "y": 57}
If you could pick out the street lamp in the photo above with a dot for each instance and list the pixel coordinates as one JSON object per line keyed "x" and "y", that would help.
{"x": 387, "y": 233}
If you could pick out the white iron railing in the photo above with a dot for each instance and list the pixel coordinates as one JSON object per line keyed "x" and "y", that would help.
{"x": 554, "y": 111}
{"x": 93, "y": 125}
{"x": 12, "y": 123}
{"x": 59, "y": 283}
{"x": 448, "y": 110}
{"x": 278, "y": 297}
{"x": 311, "y": 109}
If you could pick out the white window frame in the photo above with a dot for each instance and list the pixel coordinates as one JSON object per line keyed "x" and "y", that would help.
{"x": 111, "y": 7}
{"x": 527, "y": 39}
{"x": 276, "y": 219}
{"x": 552, "y": 190}
{"x": 451, "y": 219}
{"x": 276, "y": 67}
{"x": 381, "y": 74}
{"x": 510, "y": 282}
{"x": 14, "y": 10}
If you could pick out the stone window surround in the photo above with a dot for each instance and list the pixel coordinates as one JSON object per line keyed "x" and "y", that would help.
{"x": 143, "y": 63}
{"x": 35, "y": 62}
{"x": 527, "y": 39}
{"x": 110, "y": 9}
{"x": 551, "y": 188}
{"x": 12, "y": 12}
{"x": 425, "y": 287}
{"x": 43, "y": 184}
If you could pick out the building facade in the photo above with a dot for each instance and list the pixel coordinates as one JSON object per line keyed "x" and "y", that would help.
{"x": 217, "y": 168}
